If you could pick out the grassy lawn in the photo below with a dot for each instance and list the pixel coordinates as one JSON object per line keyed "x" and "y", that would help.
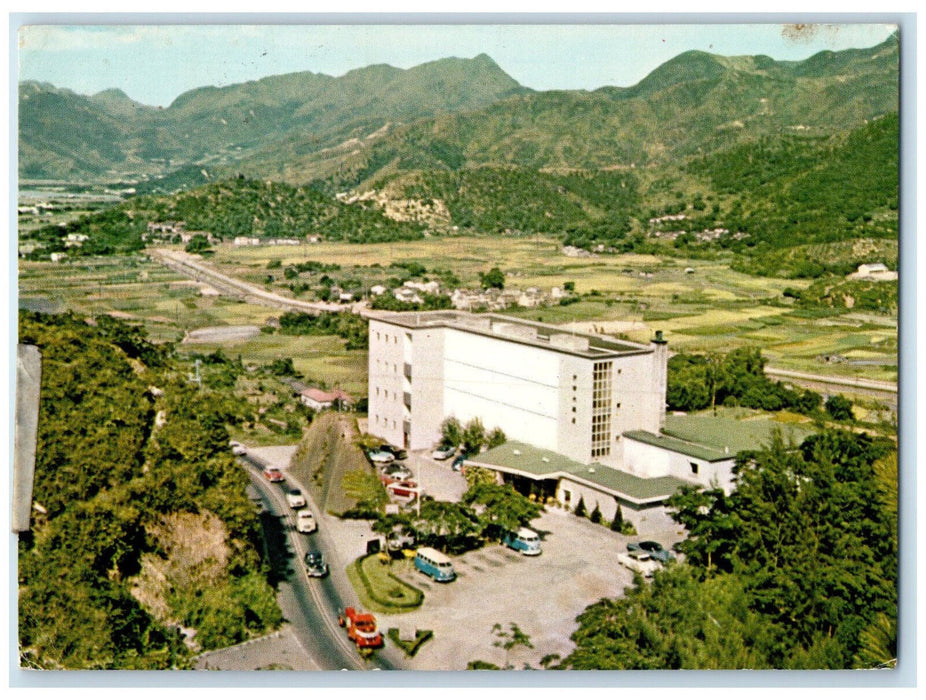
{"x": 381, "y": 592}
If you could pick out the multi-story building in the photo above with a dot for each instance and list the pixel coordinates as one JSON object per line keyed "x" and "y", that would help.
{"x": 574, "y": 394}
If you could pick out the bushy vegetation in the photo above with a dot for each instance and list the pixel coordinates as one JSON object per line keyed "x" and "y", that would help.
{"x": 738, "y": 378}
{"x": 796, "y": 569}
{"x": 122, "y": 471}
{"x": 353, "y": 328}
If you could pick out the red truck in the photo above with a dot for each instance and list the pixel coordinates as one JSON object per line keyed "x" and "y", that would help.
{"x": 361, "y": 628}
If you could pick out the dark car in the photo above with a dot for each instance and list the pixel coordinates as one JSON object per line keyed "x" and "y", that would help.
{"x": 654, "y": 549}
{"x": 396, "y": 452}
{"x": 315, "y": 564}
{"x": 458, "y": 463}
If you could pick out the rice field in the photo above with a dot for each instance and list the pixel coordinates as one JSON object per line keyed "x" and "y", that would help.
{"x": 699, "y": 305}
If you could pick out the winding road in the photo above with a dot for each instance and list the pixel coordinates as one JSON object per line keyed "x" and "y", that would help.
{"x": 310, "y": 604}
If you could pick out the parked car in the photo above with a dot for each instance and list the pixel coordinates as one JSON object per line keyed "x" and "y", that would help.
{"x": 444, "y": 452}
{"x": 525, "y": 541}
{"x": 639, "y": 561}
{"x": 396, "y": 452}
{"x": 379, "y": 457}
{"x": 458, "y": 463}
{"x": 295, "y": 498}
{"x": 394, "y": 472}
{"x": 403, "y": 489}
{"x": 305, "y": 521}
{"x": 654, "y": 549}
{"x": 237, "y": 448}
{"x": 273, "y": 474}
{"x": 315, "y": 564}
{"x": 400, "y": 539}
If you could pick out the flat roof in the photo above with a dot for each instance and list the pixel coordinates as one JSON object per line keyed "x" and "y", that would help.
{"x": 517, "y": 330}
{"x": 681, "y": 446}
{"x": 536, "y": 463}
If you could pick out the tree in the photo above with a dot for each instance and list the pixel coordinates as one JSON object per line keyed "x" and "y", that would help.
{"x": 496, "y": 438}
{"x": 493, "y": 279}
{"x": 839, "y": 407}
{"x": 617, "y": 524}
{"x": 503, "y": 508}
{"x": 451, "y": 431}
{"x": 473, "y": 437}
{"x": 580, "y": 507}
{"x": 595, "y": 517}
{"x": 198, "y": 244}
{"x": 509, "y": 639}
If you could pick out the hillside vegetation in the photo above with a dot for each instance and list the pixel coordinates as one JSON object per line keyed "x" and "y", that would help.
{"x": 142, "y": 525}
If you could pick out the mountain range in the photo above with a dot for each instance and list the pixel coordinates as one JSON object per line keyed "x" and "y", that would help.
{"x": 449, "y": 114}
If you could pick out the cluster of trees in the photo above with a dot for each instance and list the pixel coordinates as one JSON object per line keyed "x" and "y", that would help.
{"x": 796, "y": 569}
{"x": 486, "y": 511}
{"x": 352, "y": 328}
{"x": 738, "y": 378}
{"x": 108, "y": 232}
{"x": 119, "y": 467}
{"x": 471, "y": 438}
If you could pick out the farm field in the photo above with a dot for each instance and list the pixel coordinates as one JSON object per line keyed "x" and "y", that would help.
{"x": 699, "y": 305}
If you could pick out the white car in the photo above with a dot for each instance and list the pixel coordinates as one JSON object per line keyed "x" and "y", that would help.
{"x": 237, "y": 448}
{"x": 295, "y": 498}
{"x": 305, "y": 521}
{"x": 639, "y": 561}
{"x": 444, "y": 452}
{"x": 381, "y": 457}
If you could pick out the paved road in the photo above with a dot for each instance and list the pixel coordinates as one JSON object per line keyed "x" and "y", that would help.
{"x": 310, "y": 605}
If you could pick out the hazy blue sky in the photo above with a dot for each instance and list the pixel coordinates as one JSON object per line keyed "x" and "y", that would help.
{"x": 154, "y": 64}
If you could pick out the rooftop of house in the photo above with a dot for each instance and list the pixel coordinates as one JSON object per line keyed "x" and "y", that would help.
{"x": 517, "y": 330}
{"x": 536, "y": 463}
{"x": 322, "y": 396}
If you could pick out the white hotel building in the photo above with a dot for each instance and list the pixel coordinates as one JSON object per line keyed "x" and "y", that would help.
{"x": 575, "y": 407}
{"x": 574, "y": 394}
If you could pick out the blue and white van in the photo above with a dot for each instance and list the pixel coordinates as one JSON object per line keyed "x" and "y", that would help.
{"x": 524, "y": 540}
{"x": 432, "y": 563}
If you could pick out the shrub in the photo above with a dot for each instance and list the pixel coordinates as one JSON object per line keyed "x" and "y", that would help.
{"x": 595, "y": 517}
{"x": 580, "y": 508}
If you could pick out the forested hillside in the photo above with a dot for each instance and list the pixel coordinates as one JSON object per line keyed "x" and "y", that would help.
{"x": 141, "y": 523}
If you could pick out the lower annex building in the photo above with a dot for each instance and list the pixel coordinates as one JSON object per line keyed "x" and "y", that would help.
{"x": 583, "y": 413}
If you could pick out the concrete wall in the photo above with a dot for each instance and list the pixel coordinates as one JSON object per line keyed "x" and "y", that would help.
{"x": 648, "y": 460}
{"x": 647, "y": 520}
{"x": 387, "y": 357}
{"x": 426, "y": 353}
{"x": 506, "y": 384}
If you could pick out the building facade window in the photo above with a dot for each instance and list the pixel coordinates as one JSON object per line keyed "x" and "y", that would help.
{"x": 601, "y": 409}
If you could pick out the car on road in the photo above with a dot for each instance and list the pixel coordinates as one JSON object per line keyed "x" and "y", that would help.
{"x": 361, "y": 628}
{"x": 315, "y": 564}
{"x": 654, "y": 549}
{"x": 394, "y": 472}
{"x": 396, "y": 452}
{"x": 305, "y": 521}
{"x": 273, "y": 474}
{"x": 444, "y": 452}
{"x": 237, "y": 448}
{"x": 380, "y": 457}
{"x": 295, "y": 499}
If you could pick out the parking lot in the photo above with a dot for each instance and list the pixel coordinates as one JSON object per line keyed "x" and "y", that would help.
{"x": 543, "y": 595}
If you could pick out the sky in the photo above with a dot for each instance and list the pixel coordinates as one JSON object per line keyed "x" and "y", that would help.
{"x": 153, "y": 64}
